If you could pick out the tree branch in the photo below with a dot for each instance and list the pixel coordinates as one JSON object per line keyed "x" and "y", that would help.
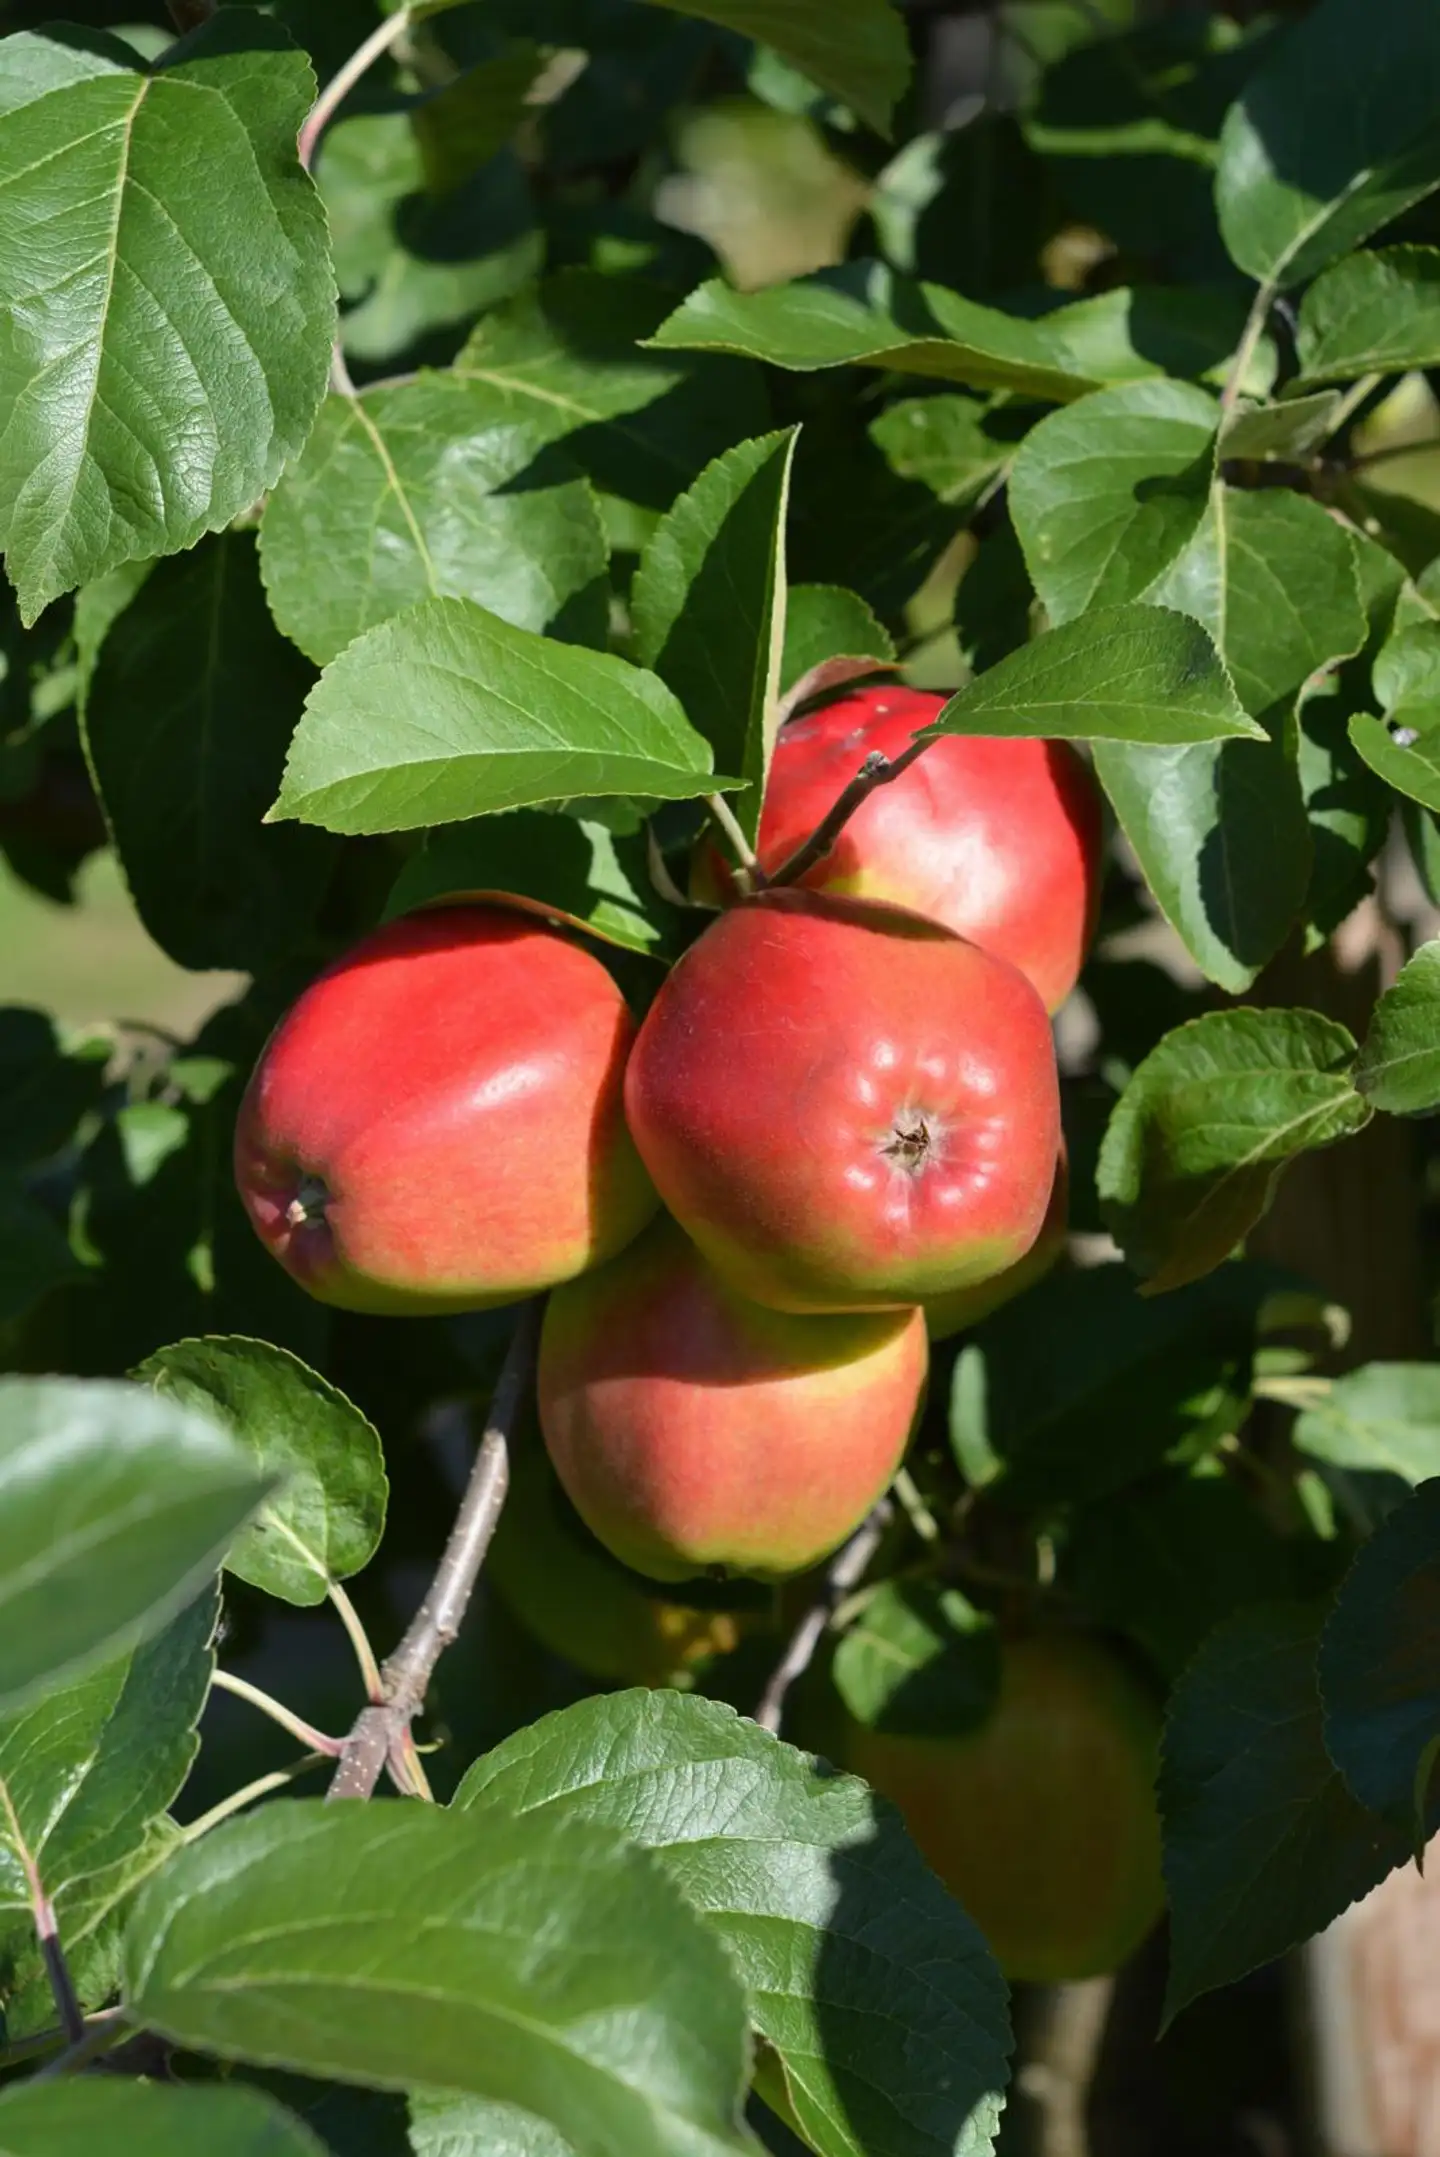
{"x": 47, "y": 1932}
{"x": 877, "y": 770}
{"x": 841, "y": 1575}
{"x": 381, "y": 1736}
{"x": 343, "y": 81}
{"x": 1245, "y": 351}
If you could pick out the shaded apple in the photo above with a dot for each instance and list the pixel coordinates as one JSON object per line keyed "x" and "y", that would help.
{"x": 1042, "y": 1820}
{"x": 997, "y": 839}
{"x": 437, "y": 1124}
{"x": 581, "y": 1605}
{"x": 965, "y": 1307}
{"x": 696, "y": 1432}
{"x": 846, "y": 1106}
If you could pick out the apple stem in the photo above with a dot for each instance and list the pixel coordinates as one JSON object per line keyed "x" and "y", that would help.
{"x": 841, "y": 1575}
{"x": 381, "y": 1734}
{"x": 877, "y": 770}
{"x": 343, "y": 81}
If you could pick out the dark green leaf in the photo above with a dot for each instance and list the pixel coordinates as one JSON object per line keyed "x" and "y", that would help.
{"x": 1379, "y": 1666}
{"x": 563, "y": 866}
{"x": 1382, "y": 1419}
{"x": 954, "y": 445}
{"x": 1399, "y": 1067}
{"x": 1125, "y": 1383}
{"x": 544, "y": 1963}
{"x": 447, "y": 712}
{"x": 145, "y": 2119}
{"x": 420, "y": 490}
{"x": 824, "y": 622}
{"x": 1106, "y": 493}
{"x": 470, "y": 119}
{"x": 44, "y": 1090}
{"x": 856, "y": 48}
{"x": 1128, "y": 674}
{"x": 1221, "y": 833}
{"x": 1373, "y": 313}
{"x": 1199, "y": 1138}
{"x": 35, "y": 1254}
{"x": 114, "y": 1506}
{"x": 1337, "y": 133}
{"x": 872, "y": 1986}
{"x": 918, "y": 1661}
{"x": 191, "y": 710}
{"x": 708, "y": 606}
{"x": 1264, "y": 1845}
{"x": 864, "y": 315}
{"x": 167, "y": 342}
{"x": 87, "y": 1773}
{"x": 327, "y": 1515}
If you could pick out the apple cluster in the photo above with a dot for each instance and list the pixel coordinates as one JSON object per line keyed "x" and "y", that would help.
{"x": 835, "y": 1136}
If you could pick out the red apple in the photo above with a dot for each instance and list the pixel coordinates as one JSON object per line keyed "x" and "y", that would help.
{"x": 846, "y": 1106}
{"x": 694, "y": 1431}
{"x": 1042, "y": 1821}
{"x": 963, "y": 1307}
{"x": 437, "y": 1125}
{"x": 999, "y": 840}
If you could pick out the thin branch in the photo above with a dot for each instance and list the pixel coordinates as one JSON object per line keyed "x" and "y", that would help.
{"x": 1250, "y": 337}
{"x": 42, "y": 1913}
{"x": 379, "y": 1738}
{"x": 841, "y": 1575}
{"x": 338, "y": 88}
{"x": 314, "y": 1740}
{"x": 730, "y": 824}
{"x": 877, "y": 770}
{"x": 359, "y": 1640}
{"x": 261, "y": 1787}
{"x": 101, "y": 2034}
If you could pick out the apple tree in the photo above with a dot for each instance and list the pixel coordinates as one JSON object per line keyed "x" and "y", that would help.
{"x": 633, "y": 569}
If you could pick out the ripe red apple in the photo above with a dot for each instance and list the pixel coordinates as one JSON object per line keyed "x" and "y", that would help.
{"x": 578, "y": 1603}
{"x": 999, "y": 840}
{"x": 963, "y": 1307}
{"x": 437, "y": 1125}
{"x": 693, "y": 1430}
{"x": 846, "y": 1106}
{"x": 1042, "y": 1821}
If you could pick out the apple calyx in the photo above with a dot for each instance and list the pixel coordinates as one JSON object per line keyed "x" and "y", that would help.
{"x": 312, "y": 1197}
{"x": 911, "y": 1144}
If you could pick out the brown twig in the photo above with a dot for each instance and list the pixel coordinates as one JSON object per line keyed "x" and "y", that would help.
{"x": 877, "y": 770}
{"x": 188, "y": 15}
{"x": 841, "y": 1575}
{"x": 47, "y": 1932}
{"x": 381, "y": 1736}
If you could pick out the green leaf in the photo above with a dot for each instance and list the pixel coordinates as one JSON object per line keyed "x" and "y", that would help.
{"x": 544, "y": 1963}
{"x": 1264, "y": 1845}
{"x": 420, "y": 489}
{"x": 327, "y": 1515}
{"x": 145, "y": 2119}
{"x": 1197, "y": 1141}
{"x": 44, "y": 1090}
{"x": 1411, "y": 765}
{"x": 952, "y": 444}
{"x": 561, "y": 364}
{"x": 1106, "y": 493}
{"x": 1126, "y": 1383}
{"x": 1376, "y": 313}
{"x": 565, "y": 867}
{"x": 856, "y": 49}
{"x": 192, "y": 707}
{"x": 86, "y": 1776}
{"x": 35, "y": 1254}
{"x": 708, "y": 606}
{"x": 824, "y": 622}
{"x": 1379, "y": 1666}
{"x": 467, "y": 2127}
{"x": 864, "y": 315}
{"x": 165, "y": 345}
{"x": 471, "y": 118}
{"x": 1288, "y": 432}
{"x": 1336, "y": 133}
{"x": 1384, "y": 1419}
{"x": 114, "y": 1506}
{"x": 1128, "y": 673}
{"x": 1221, "y": 834}
{"x": 918, "y": 1661}
{"x": 833, "y": 1920}
{"x": 1399, "y": 1067}
{"x": 447, "y": 712}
